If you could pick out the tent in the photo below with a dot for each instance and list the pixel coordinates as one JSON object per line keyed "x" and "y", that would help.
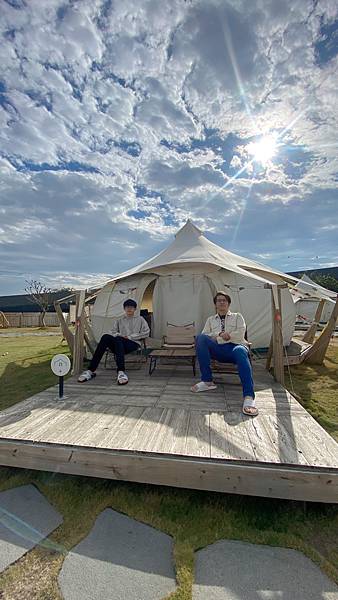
{"x": 178, "y": 284}
{"x": 307, "y": 294}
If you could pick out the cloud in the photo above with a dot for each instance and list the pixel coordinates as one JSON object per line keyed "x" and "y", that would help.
{"x": 119, "y": 120}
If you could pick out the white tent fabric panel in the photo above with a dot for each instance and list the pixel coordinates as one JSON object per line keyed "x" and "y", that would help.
{"x": 181, "y": 299}
{"x": 253, "y": 301}
{"x": 306, "y": 310}
{"x": 109, "y": 302}
{"x": 306, "y": 288}
{"x": 191, "y": 246}
{"x": 188, "y": 273}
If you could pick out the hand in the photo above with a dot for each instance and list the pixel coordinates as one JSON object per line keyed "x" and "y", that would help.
{"x": 225, "y": 336}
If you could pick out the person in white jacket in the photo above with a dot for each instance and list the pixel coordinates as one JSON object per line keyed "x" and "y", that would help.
{"x": 223, "y": 339}
{"x": 125, "y": 337}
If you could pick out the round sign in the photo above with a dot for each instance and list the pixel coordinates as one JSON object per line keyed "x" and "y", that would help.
{"x": 60, "y": 364}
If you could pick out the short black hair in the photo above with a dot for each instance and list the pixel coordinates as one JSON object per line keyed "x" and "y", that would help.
{"x": 129, "y": 302}
{"x": 224, "y": 295}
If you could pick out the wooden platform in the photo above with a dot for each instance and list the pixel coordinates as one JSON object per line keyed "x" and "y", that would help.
{"x": 155, "y": 430}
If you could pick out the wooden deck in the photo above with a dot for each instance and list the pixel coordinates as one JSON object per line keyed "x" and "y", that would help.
{"x": 155, "y": 430}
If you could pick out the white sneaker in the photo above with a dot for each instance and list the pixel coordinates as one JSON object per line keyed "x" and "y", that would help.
{"x": 86, "y": 376}
{"x": 122, "y": 378}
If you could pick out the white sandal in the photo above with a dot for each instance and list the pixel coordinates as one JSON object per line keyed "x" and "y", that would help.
{"x": 122, "y": 378}
{"x": 86, "y": 376}
{"x": 202, "y": 386}
{"x": 249, "y": 402}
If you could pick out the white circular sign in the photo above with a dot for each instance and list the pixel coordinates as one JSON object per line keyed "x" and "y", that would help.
{"x": 60, "y": 364}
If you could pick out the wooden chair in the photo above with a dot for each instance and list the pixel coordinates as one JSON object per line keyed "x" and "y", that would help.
{"x": 178, "y": 343}
{"x": 137, "y": 357}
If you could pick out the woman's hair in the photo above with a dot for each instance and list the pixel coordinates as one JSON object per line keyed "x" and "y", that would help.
{"x": 224, "y": 296}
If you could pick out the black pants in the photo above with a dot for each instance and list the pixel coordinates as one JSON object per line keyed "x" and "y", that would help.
{"x": 118, "y": 345}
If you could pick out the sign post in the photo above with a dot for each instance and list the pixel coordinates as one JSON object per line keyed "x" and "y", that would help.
{"x": 60, "y": 365}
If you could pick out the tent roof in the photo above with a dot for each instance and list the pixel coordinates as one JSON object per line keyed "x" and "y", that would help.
{"x": 190, "y": 246}
{"x": 306, "y": 288}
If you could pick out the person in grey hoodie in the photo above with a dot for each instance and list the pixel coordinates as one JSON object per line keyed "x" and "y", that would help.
{"x": 126, "y": 335}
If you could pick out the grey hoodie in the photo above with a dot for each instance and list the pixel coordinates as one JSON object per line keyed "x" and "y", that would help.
{"x": 134, "y": 328}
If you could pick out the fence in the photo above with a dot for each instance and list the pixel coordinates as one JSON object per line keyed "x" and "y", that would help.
{"x": 29, "y": 319}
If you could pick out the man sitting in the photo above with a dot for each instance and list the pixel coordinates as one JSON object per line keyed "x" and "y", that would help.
{"x": 223, "y": 339}
{"x": 125, "y": 337}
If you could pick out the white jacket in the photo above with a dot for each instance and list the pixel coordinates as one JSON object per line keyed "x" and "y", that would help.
{"x": 234, "y": 325}
{"x": 134, "y": 328}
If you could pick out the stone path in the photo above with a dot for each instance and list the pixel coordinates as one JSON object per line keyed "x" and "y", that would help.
{"x": 121, "y": 559}
{"x": 26, "y": 518}
{"x": 230, "y": 570}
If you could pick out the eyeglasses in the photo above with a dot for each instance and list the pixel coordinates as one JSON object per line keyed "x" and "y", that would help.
{"x": 222, "y": 301}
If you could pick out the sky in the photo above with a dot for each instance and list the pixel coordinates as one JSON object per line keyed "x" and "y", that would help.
{"x": 119, "y": 120}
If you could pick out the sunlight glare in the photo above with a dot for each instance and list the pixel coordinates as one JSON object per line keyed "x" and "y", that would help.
{"x": 263, "y": 150}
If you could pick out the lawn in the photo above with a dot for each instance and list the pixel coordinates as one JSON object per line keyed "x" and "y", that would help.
{"x": 194, "y": 519}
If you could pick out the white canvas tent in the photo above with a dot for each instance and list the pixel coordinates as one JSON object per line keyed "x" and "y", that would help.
{"x": 179, "y": 283}
{"x": 307, "y": 294}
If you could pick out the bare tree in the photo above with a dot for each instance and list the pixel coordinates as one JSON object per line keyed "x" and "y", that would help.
{"x": 40, "y": 294}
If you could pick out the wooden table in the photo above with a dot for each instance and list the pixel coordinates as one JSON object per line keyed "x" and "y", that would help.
{"x": 172, "y": 353}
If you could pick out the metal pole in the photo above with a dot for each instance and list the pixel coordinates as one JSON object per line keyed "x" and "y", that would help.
{"x": 61, "y": 387}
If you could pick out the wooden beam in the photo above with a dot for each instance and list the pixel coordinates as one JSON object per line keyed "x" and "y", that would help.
{"x": 311, "y": 332}
{"x": 60, "y": 300}
{"x": 314, "y": 484}
{"x": 316, "y": 353}
{"x": 67, "y": 334}
{"x": 277, "y": 336}
{"x": 79, "y": 334}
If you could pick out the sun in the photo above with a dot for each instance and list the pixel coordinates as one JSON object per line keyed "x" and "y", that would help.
{"x": 264, "y": 149}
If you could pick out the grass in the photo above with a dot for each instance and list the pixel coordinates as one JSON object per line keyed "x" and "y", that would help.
{"x": 194, "y": 519}
{"x": 316, "y": 388}
{"x": 25, "y": 366}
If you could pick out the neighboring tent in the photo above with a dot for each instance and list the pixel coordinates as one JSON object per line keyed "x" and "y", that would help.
{"x": 179, "y": 283}
{"x": 306, "y": 295}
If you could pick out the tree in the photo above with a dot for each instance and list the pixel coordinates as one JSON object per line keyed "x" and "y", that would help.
{"x": 40, "y": 294}
{"x": 327, "y": 281}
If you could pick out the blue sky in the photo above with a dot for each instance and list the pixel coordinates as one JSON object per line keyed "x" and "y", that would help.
{"x": 120, "y": 119}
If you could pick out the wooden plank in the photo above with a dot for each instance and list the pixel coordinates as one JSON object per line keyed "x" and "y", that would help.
{"x": 284, "y": 441}
{"x": 102, "y": 434}
{"x": 316, "y": 353}
{"x": 311, "y": 332}
{"x": 322, "y": 440}
{"x": 24, "y": 426}
{"x": 172, "y": 435}
{"x": 118, "y": 437}
{"x": 67, "y": 334}
{"x": 304, "y": 435}
{"x": 265, "y": 450}
{"x": 319, "y": 485}
{"x": 234, "y": 429}
{"x": 197, "y": 442}
{"x": 145, "y": 429}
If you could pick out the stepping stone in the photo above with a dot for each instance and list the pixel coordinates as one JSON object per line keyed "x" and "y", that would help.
{"x": 26, "y": 518}
{"x": 230, "y": 570}
{"x": 120, "y": 559}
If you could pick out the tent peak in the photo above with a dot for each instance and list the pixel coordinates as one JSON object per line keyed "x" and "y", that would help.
{"x": 189, "y": 228}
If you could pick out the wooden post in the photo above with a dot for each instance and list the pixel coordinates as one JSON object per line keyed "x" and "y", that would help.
{"x": 88, "y": 334}
{"x": 277, "y": 335}
{"x": 79, "y": 334}
{"x": 311, "y": 332}
{"x": 67, "y": 334}
{"x": 316, "y": 354}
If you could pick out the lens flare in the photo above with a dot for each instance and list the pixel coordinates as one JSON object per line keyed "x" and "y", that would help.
{"x": 264, "y": 149}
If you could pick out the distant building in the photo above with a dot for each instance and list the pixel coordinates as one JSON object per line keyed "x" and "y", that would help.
{"x": 22, "y": 303}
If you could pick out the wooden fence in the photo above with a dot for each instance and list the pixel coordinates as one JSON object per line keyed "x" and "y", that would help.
{"x": 30, "y": 319}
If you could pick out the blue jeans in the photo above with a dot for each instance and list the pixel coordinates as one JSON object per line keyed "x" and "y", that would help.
{"x": 207, "y": 348}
